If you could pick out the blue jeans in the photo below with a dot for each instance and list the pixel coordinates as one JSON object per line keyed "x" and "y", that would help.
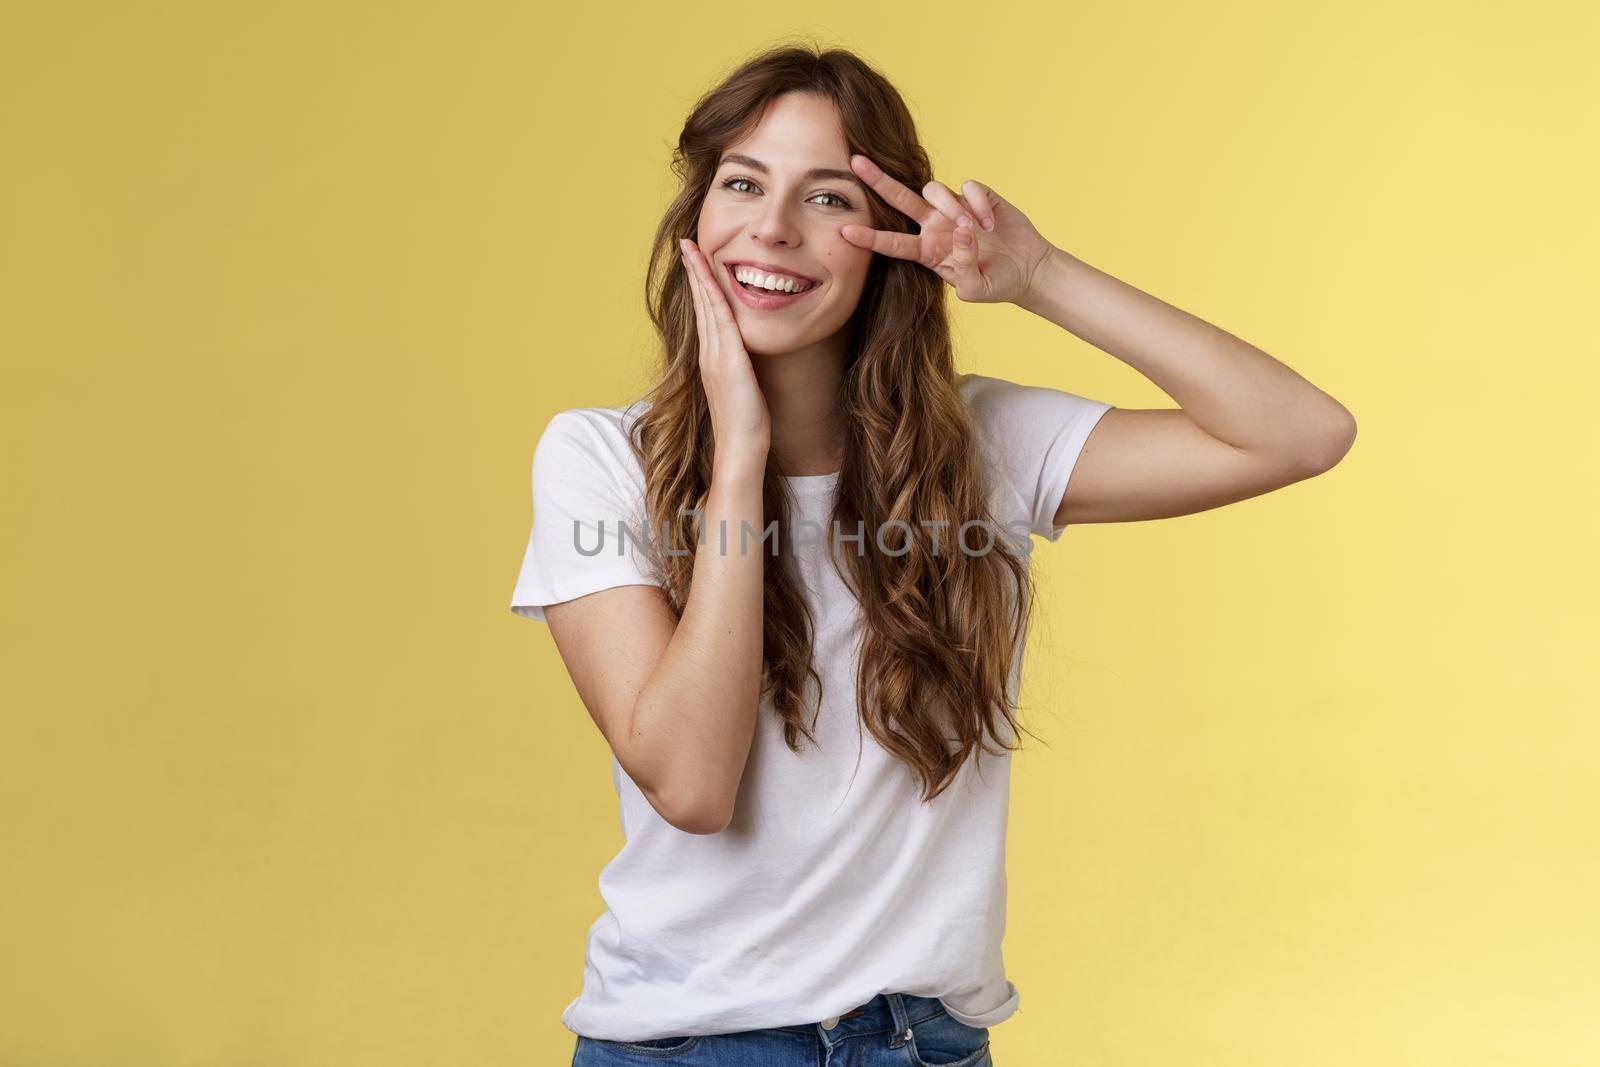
{"x": 890, "y": 1030}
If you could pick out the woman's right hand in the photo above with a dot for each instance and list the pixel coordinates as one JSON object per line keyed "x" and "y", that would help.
{"x": 739, "y": 416}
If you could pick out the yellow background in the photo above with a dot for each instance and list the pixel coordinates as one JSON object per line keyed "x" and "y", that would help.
{"x": 290, "y": 291}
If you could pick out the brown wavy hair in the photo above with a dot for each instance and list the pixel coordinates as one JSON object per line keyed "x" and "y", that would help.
{"x": 941, "y": 628}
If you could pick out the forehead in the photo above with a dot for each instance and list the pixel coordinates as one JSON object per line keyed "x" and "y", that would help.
{"x": 796, "y": 131}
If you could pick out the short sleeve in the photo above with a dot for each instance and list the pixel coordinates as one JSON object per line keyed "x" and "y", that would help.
{"x": 589, "y": 532}
{"x": 1035, "y": 434}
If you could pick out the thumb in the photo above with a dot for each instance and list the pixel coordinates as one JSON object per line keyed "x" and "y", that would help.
{"x": 965, "y": 275}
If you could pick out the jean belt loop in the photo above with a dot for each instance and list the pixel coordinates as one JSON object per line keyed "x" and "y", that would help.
{"x": 902, "y": 1021}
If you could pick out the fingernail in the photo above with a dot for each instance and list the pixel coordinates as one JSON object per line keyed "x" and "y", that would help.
{"x": 988, "y": 224}
{"x": 964, "y": 221}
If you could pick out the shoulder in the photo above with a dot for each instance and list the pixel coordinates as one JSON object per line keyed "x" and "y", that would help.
{"x": 591, "y": 437}
{"x": 1006, "y": 408}
{"x": 985, "y": 395}
{"x": 1021, "y": 422}
{"x": 588, "y": 451}
{"x": 1034, "y": 435}
{"x": 997, "y": 405}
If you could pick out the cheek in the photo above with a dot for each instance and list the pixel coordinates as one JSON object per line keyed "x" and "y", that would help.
{"x": 848, "y": 266}
{"x": 712, "y": 228}
{"x": 853, "y": 279}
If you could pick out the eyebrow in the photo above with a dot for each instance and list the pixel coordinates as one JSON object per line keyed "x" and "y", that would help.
{"x": 813, "y": 173}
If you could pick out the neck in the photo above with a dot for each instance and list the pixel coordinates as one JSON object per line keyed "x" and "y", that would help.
{"x": 802, "y": 394}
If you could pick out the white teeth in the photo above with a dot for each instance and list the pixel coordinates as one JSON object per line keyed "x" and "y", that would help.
{"x": 776, "y": 282}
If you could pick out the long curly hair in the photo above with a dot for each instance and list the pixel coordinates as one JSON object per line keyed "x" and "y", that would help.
{"x": 941, "y": 629}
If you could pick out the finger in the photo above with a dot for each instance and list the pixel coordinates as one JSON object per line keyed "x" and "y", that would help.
{"x": 966, "y": 276}
{"x": 887, "y": 242}
{"x": 700, "y": 314}
{"x": 897, "y": 195}
{"x": 711, "y": 291}
{"x": 716, "y": 301}
{"x": 940, "y": 196}
{"x": 977, "y": 194}
{"x": 702, "y": 350}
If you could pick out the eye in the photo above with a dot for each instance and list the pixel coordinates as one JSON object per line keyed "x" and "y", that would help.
{"x": 730, "y": 183}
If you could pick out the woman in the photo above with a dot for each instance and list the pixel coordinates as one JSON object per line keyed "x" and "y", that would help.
{"x": 787, "y": 887}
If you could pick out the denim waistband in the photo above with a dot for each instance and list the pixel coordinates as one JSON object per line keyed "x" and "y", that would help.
{"x": 885, "y": 1013}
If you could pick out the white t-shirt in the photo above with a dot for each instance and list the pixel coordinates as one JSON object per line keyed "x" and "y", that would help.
{"x": 834, "y": 882}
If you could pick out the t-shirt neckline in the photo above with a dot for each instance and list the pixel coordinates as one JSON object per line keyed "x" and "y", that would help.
{"x": 813, "y": 481}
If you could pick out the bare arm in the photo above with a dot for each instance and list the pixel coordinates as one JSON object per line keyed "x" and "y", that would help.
{"x": 1247, "y": 424}
{"x": 677, "y": 701}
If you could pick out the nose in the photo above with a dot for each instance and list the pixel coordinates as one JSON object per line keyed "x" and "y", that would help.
{"x": 776, "y": 226}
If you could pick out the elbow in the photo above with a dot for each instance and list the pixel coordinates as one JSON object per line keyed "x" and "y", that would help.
{"x": 705, "y": 824}
{"x": 681, "y": 789}
{"x": 687, "y": 806}
{"x": 1330, "y": 443}
{"x": 697, "y": 815}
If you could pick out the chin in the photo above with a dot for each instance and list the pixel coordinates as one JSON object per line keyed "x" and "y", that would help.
{"x": 778, "y": 344}
{"x": 758, "y": 350}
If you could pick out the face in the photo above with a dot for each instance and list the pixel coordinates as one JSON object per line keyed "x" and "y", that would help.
{"x": 775, "y": 206}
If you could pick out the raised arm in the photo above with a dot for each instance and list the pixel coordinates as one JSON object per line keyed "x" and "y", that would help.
{"x": 1246, "y": 424}
{"x": 677, "y": 701}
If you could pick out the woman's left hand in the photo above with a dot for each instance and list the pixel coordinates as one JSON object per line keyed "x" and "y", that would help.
{"x": 979, "y": 243}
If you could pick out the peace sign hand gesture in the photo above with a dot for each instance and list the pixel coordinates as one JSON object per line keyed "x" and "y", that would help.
{"x": 991, "y": 264}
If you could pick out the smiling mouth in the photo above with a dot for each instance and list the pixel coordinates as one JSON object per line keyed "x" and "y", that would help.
{"x": 803, "y": 285}
{"x": 765, "y": 299}
{"x": 764, "y": 291}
